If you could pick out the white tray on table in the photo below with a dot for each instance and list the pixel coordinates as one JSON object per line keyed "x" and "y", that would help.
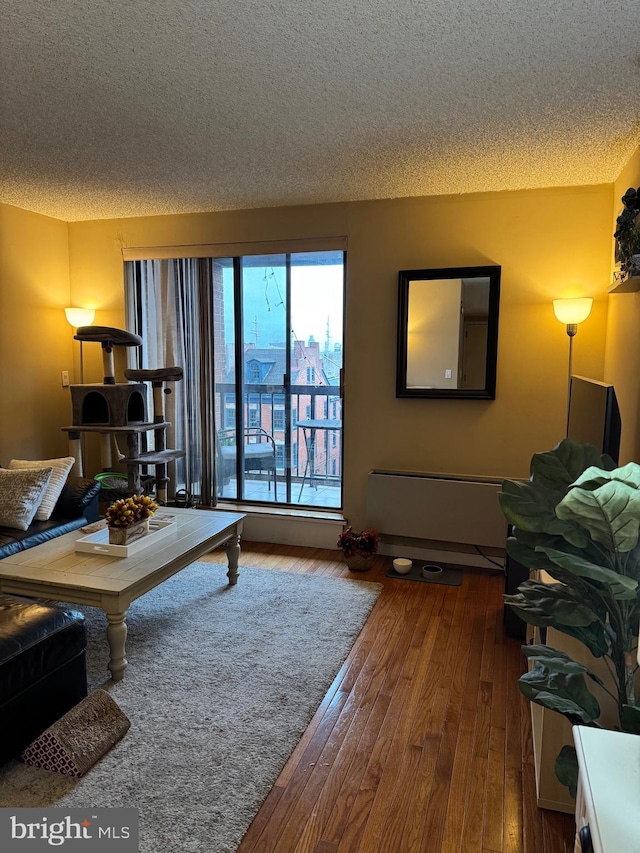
{"x": 98, "y": 542}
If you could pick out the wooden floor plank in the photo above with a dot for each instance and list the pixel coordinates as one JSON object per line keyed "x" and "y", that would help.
{"x": 324, "y": 787}
{"x": 412, "y": 672}
{"x": 377, "y": 787}
{"x": 422, "y": 744}
{"x": 313, "y": 770}
{"x": 493, "y": 819}
{"x": 461, "y": 777}
{"x": 455, "y": 673}
{"x": 513, "y": 829}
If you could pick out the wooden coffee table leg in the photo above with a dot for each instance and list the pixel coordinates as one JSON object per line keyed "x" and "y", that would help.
{"x": 117, "y": 637}
{"x": 233, "y": 556}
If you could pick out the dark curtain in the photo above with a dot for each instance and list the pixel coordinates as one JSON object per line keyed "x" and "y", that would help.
{"x": 170, "y": 305}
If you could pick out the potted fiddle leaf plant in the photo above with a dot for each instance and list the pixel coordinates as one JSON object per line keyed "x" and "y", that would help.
{"x": 578, "y": 519}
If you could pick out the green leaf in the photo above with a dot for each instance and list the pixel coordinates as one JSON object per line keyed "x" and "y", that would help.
{"x": 521, "y": 548}
{"x": 621, "y": 587}
{"x": 555, "y": 660}
{"x": 532, "y": 510}
{"x": 526, "y": 554}
{"x": 611, "y": 513}
{"x": 532, "y": 539}
{"x": 593, "y": 634}
{"x": 529, "y": 508}
{"x": 531, "y": 505}
{"x": 630, "y": 719}
{"x": 567, "y": 694}
{"x": 593, "y": 477}
{"x": 559, "y": 468}
{"x": 551, "y": 604}
{"x": 566, "y": 768}
{"x": 594, "y": 637}
{"x": 631, "y": 563}
{"x": 564, "y": 705}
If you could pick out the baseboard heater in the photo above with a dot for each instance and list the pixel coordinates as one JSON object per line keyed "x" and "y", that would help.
{"x": 438, "y": 507}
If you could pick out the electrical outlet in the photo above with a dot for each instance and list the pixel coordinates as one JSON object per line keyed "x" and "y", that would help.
{"x": 447, "y": 373}
{"x": 65, "y": 378}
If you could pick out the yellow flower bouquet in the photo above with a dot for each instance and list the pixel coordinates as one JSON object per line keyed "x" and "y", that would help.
{"x": 129, "y": 511}
{"x": 128, "y": 518}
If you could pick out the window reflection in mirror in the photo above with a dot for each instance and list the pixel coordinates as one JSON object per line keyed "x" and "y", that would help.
{"x": 448, "y": 332}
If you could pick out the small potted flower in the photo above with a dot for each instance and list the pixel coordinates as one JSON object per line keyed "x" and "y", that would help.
{"x": 358, "y": 548}
{"x": 128, "y": 518}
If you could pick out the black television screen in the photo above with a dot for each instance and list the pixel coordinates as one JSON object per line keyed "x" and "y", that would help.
{"x": 594, "y": 416}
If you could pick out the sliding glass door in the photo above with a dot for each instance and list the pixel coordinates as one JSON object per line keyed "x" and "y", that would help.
{"x": 259, "y": 338}
{"x": 278, "y": 361}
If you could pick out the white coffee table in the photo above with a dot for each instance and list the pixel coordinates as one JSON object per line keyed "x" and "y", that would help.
{"x": 55, "y": 570}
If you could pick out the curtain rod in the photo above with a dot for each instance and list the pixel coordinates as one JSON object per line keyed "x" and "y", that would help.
{"x": 221, "y": 250}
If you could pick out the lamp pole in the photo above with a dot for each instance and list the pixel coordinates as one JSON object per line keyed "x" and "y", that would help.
{"x": 571, "y": 312}
{"x": 572, "y": 329}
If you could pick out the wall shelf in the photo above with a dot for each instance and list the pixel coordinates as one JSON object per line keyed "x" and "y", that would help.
{"x": 629, "y": 285}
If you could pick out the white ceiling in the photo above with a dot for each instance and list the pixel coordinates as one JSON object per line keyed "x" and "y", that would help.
{"x": 113, "y": 108}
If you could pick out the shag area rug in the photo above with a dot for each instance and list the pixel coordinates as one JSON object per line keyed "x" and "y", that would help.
{"x": 222, "y": 682}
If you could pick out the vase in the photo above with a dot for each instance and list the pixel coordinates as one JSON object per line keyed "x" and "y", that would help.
{"x": 358, "y": 563}
{"x": 127, "y": 535}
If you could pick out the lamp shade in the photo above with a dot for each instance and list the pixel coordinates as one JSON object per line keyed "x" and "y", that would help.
{"x": 571, "y": 311}
{"x": 80, "y": 316}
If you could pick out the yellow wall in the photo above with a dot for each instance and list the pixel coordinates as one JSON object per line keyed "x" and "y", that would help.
{"x": 550, "y": 243}
{"x": 36, "y": 342}
{"x": 622, "y": 363}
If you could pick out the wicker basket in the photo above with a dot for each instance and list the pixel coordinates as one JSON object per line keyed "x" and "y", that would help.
{"x": 358, "y": 563}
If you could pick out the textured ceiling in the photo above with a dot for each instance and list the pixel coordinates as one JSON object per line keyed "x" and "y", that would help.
{"x": 113, "y": 108}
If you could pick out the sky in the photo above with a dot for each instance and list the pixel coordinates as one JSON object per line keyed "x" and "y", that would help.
{"x": 316, "y": 296}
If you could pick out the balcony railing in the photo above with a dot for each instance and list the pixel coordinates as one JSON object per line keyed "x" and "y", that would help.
{"x": 306, "y": 425}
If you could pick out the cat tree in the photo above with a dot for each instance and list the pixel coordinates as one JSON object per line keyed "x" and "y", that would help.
{"x": 120, "y": 410}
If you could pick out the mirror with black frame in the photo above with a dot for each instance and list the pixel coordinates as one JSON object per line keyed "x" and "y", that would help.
{"x": 448, "y": 332}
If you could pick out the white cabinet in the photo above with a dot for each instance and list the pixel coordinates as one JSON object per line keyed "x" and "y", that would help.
{"x": 608, "y": 798}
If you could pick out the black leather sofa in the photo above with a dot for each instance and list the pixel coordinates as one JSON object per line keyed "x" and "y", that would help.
{"x": 76, "y": 506}
{"x": 42, "y": 645}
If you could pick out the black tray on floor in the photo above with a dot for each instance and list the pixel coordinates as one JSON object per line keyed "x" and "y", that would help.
{"x": 448, "y": 576}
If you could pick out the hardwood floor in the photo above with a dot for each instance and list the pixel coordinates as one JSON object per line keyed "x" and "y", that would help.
{"x": 423, "y": 742}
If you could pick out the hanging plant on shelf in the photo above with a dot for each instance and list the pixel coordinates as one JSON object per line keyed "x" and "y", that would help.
{"x": 627, "y": 235}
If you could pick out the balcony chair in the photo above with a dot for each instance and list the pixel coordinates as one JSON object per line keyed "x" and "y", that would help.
{"x": 259, "y": 455}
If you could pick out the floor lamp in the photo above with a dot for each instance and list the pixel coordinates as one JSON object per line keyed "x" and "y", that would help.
{"x": 571, "y": 312}
{"x": 77, "y": 317}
